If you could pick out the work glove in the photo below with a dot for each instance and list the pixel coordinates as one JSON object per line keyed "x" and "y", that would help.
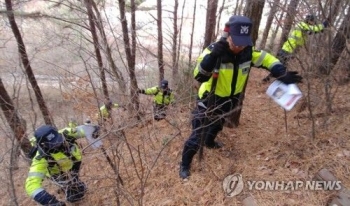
{"x": 220, "y": 48}
{"x": 140, "y": 91}
{"x": 290, "y": 77}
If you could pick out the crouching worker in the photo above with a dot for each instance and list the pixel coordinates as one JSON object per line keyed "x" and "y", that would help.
{"x": 57, "y": 160}
{"x": 106, "y": 109}
{"x": 163, "y": 97}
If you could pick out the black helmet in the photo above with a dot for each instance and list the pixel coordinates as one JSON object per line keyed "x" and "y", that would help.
{"x": 310, "y": 17}
{"x": 48, "y": 137}
{"x": 164, "y": 84}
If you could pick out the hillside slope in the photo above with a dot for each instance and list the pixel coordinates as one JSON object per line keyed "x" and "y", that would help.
{"x": 260, "y": 149}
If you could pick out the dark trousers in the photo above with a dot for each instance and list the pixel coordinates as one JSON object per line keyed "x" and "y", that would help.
{"x": 71, "y": 184}
{"x": 159, "y": 111}
{"x": 207, "y": 125}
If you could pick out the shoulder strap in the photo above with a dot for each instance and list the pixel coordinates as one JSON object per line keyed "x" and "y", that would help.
{"x": 50, "y": 160}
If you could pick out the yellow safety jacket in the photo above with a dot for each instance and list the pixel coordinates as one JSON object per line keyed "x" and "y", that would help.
{"x": 104, "y": 110}
{"x": 161, "y": 97}
{"x": 299, "y": 35}
{"x": 234, "y": 73}
{"x": 57, "y": 163}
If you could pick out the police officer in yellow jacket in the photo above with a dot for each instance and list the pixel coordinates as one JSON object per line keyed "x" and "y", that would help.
{"x": 57, "y": 160}
{"x": 298, "y": 37}
{"x": 106, "y": 109}
{"x": 163, "y": 96}
{"x": 235, "y": 55}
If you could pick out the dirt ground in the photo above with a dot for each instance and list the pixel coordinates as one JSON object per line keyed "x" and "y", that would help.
{"x": 268, "y": 145}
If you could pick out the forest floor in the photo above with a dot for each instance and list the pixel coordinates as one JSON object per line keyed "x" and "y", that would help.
{"x": 266, "y": 146}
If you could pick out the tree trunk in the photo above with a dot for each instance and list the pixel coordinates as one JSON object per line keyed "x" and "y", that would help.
{"x": 130, "y": 50}
{"x": 334, "y": 9}
{"x": 240, "y": 8}
{"x": 235, "y": 12}
{"x": 253, "y": 10}
{"x": 116, "y": 71}
{"x": 273, "y": 10}
{"x": 272, "y": 46}
{"x": 88, "y": 4}
{"x": 291, "y": 11}
{"x": 210, "y": 23}
{"x": 16, "y": 123}
{"x": 192, "y": 32}
{"x": 219, "y": 27}
{"x": 25, "y": 61}
{"x": 175, "y": 65}
{"x": 160, "y": 40}
{"x": 180, "y": 40}
{"x": 338, "y": 45}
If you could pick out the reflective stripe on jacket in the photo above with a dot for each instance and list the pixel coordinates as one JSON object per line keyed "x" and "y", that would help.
{"x": 233, "y": 74}
{"x": 299, "y": 35}
{"x": 159, "y": 97}
{"x": 40, "y": 168}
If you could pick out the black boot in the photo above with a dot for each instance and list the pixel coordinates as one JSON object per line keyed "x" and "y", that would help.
{"x": 185, "y": 164}
{"x": 184, "y": 171}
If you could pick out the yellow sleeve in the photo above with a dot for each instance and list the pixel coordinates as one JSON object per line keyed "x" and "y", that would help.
{"x": 152, "y": 90}
{"x": 313, "y": 28}
{"x": 264, "y": 59}
{"x": 37, "y": 173}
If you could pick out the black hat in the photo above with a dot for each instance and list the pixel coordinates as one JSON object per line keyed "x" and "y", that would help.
{"x": 164, "y": 84}
{"x": 48, "y": 136}
{"x": 240, "y": 30}
{"x": 310, "y": 17}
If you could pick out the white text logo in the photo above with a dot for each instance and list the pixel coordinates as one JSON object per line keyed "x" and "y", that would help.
{"x": 244, "y": 29}
{"x": 234, "y": 184}
{"x": 50, "y": 136}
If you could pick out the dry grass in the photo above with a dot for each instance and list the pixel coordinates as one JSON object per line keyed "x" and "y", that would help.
{"x": 259, "y": 149}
